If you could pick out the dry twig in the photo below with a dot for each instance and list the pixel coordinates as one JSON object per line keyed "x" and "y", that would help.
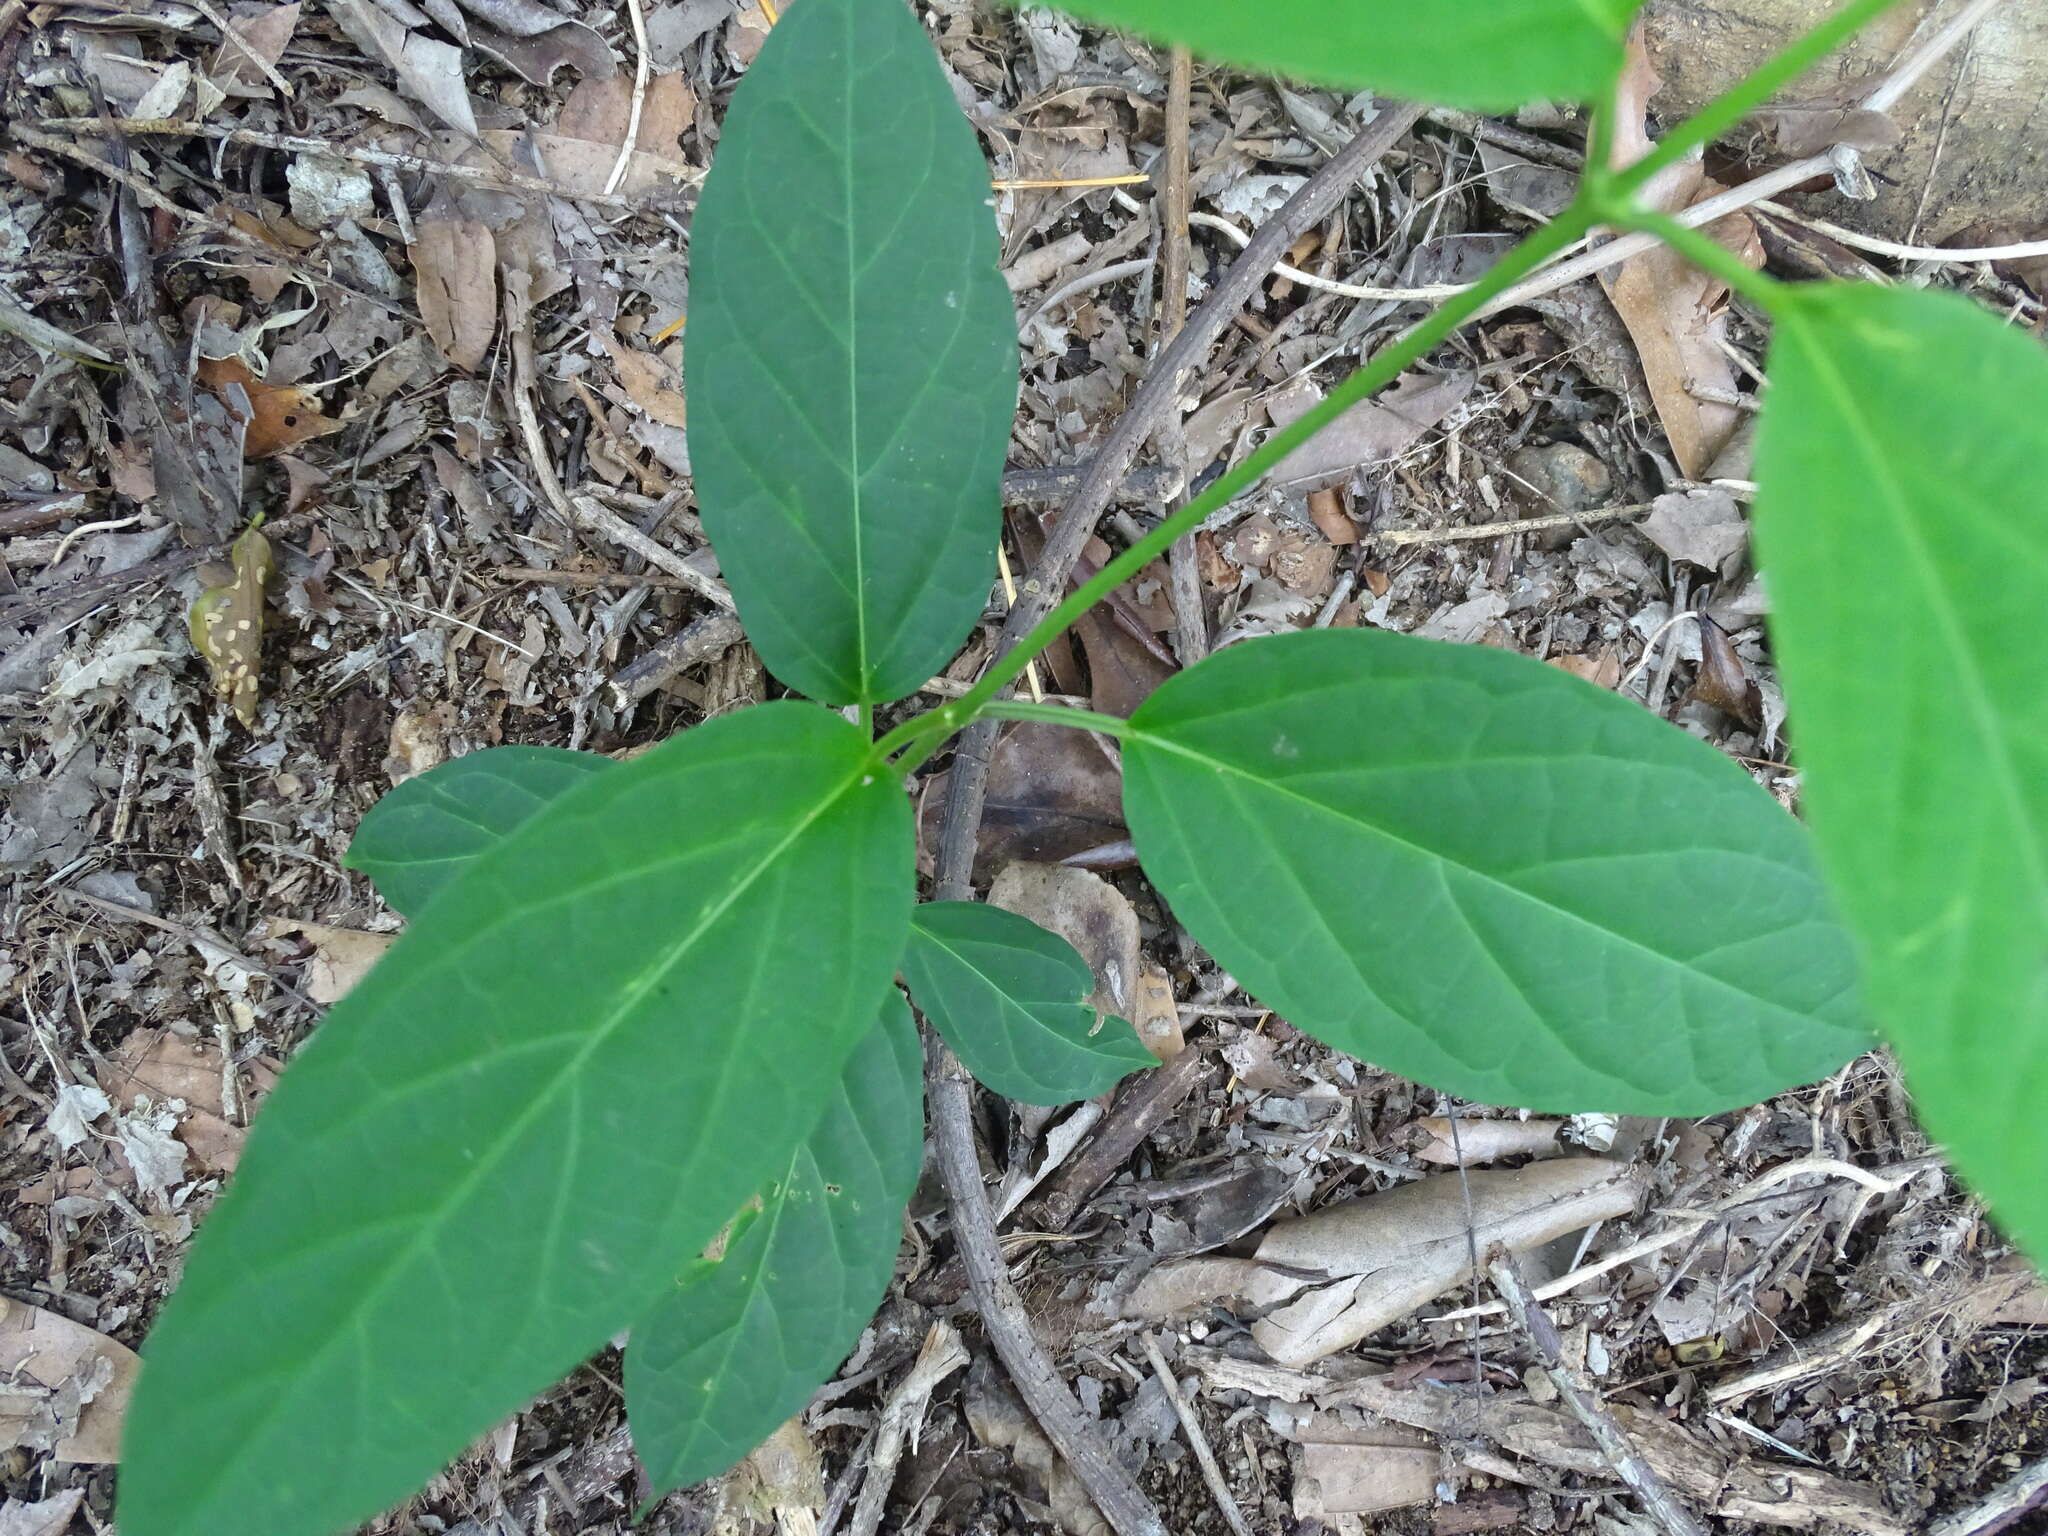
{"x": 1003, "y": 1316}
{"x": 1621, "y": 1454}
{"x": 941, "y": 1355}
{"x": 1198, "y": 1442}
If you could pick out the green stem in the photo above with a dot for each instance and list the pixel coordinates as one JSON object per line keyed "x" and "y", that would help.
{"x": 932, "y": 727}
{"x": 1385, "y": 366}
{"x": 1746, "y": 95}
{"x": 867, "y": 719}
{"x": 1058, "y": 714}
{"x": 1707, "y": 253}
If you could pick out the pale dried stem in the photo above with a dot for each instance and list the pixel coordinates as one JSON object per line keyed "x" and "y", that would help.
{"x": 632, "y": 138}
{"x": 1219, "y": 1490}
{"x": 1658, "y": 1500}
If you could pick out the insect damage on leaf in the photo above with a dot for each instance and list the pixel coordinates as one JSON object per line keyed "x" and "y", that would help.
{"x": 227, "y": 625}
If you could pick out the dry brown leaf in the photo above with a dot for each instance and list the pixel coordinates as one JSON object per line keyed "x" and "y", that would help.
{"x": 430, "y": 71}
{"x": 265, "y": 30}
{"x": 1389, "y": 1253}
{"x": 1673, "y": 310}
{"x": 539, "y": 55}
{"x": 579, "y": 151}
{"x": 1372, "y": 431}
{"x": 1703, "y": 526}
{"x": 1090, "y": 914}
{"x": 1000, "y": 1421}
{"x": 1052, "y": 794}
{"x": 1326, "y": 509}
{"x": 168, "y": 1066}
{"x": 1796, "y": 131}
{"x": 282, "y": 416}
{"x": 341, "y": 956}
{"x": 1121, "y": 671}
{"x": 1602, "y": 671}
{"x": 599, "y": 110}
{"x": 1434, "y": 1139}
{"x": 1346, "y": 1469}
{"x": 226, "y": 625}
{"x": 69, "y": 1386}
{"x": 1322, "y": 1282}
{"x": 1723, "y": 681}
{"x": 1155, "y": 1015}
{"x": 455, "y": 273}
{"x": 651, "y": 384}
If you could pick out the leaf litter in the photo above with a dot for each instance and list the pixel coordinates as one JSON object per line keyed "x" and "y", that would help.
{"x": 315, "y": 330}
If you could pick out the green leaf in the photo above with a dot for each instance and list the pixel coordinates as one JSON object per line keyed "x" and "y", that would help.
{"x": 741, "y": 1343}
{"x": 1903, "y": 528}
{"x": 586, "y": 1052}
{"x": 851, "y": 357}
{"x": 1488, "y": 55}
{"x": 421, "y": 835}
{"x": 1488, "y": 876}
{"x": 1010, "y": 999}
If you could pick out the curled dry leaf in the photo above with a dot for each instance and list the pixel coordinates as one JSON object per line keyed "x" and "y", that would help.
{"x": 68, "y": 1385}
{"x": 455, "y": 272}
{"x": 226, "y": 625}
{"x": 1723, "y": 681}
{"x": 1323, "y": 1282}
{"x": 1435, "y": 1140}
{"x": 1673, "y": 310}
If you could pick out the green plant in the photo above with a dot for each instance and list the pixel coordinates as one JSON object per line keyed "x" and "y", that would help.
{"x": 637, "y": 999}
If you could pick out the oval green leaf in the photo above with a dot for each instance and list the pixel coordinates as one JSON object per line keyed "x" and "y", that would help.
{"x": 742, "y": 1341}
{"x": 421, "y": 835}
{"x": 1488, "y": 876}
{"x": 1010, "y": 998}
{"x": 1903, "y": 528}
{"x": 1488, "y": 56}
{"x": 851, "y": 357}
{"x": 501, "y": 1145}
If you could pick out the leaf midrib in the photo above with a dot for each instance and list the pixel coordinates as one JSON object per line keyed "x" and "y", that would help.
{"x": 863, "y": 666}
{"x": 354, "y": 1318}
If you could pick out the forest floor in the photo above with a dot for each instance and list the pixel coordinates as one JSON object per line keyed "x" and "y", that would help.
{"x": 295, "y": 304}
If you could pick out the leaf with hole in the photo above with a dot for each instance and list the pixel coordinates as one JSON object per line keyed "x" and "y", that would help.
{"x": 1010, "y": 998}
{"x": 1490, "y": 56}
{"x": 1903, "y": 528}
{"x": 742, "y": 1341}
{"x": 1486, "y": 875}
{"x": 851, "y": 358}
{"x": 503, "y": 1144}
{"x": 428, "y": 829}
